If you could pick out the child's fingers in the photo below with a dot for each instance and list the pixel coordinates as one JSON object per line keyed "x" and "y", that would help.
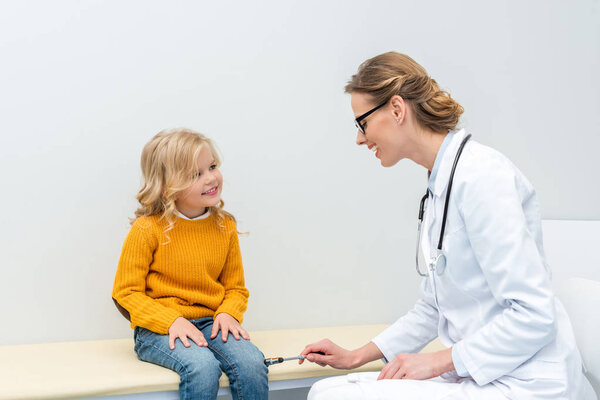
{"x": 235, "y": 332}
{"x": 215, "y": 330}
{"x": 184, "y": 340}
{"x": 172, "y": 341}
{"x": 244, "y": 334}
{"x": 224, "y": 334}
{"x": 198, "y": 338}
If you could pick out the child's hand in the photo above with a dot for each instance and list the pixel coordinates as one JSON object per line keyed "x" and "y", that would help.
{"x": 183, "y": 329}
{"x": 226, "y": 323}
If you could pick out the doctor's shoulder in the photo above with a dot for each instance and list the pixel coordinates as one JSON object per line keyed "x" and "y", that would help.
{"x": 484, "y": 171}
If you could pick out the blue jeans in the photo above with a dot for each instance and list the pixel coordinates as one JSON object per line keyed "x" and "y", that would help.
{"x": 200, "y": 367}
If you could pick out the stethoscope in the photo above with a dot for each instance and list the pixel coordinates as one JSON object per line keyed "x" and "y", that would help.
{"x": 438, "y": 262}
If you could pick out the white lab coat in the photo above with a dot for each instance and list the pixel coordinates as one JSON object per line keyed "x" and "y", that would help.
{"x": 494, "y": 302}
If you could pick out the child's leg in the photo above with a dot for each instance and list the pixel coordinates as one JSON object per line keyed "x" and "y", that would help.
{"x": 243, "y": 363}
{"x": 197, "y": 366}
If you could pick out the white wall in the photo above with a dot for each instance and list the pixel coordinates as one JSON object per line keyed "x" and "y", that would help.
{"x": 570, "y": 248}
{"x": 83, "y": 85}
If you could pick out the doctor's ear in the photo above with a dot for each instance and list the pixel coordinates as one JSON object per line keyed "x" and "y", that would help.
{"x": 398, "y": 108}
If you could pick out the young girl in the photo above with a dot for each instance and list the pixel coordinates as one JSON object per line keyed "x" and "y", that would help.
{"x": 180, "y": 273}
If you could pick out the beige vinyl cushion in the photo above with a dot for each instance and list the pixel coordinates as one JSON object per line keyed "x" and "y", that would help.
{"x": 110, "y": 367}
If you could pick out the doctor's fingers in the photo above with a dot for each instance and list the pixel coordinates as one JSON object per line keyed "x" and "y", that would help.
{"x": 322, "y": 360}
{"x": 400, "y": 374}
{"x": 324, "y": 346}
{"x": 325, "y": 352}
{"x": 389, "y": 371}
{"x": 312, "y": 348}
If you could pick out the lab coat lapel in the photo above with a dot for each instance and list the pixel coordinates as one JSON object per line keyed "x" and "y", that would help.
{"x": 435, "y": 206}
{"x": 443, "y": 173}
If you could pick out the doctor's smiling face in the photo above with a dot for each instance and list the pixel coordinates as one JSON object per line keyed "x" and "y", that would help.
{"x": 385, "y": 130}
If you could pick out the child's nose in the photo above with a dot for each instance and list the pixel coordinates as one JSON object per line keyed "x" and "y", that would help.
{"x": 210, "y": 179}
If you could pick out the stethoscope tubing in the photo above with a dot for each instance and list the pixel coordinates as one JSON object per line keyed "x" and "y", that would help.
{"x": 446, "y": 202}
{"x": 458, "y": 153}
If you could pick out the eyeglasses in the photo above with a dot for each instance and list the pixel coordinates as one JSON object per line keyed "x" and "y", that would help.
{"x": 357, "y": 122}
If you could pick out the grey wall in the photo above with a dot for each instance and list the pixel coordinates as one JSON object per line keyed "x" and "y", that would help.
{"x": 85, "y": 84}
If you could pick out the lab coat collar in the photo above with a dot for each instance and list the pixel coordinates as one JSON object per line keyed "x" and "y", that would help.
{"x": 440, "y": 173}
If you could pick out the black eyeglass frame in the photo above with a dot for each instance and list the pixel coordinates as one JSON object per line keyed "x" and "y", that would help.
{"x": 357, "y": 120}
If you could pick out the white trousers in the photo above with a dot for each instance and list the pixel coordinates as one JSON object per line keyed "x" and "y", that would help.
{"x": 365, "y": 386}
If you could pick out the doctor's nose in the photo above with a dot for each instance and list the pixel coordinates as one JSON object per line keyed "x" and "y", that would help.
{"x": 360, "y": 138}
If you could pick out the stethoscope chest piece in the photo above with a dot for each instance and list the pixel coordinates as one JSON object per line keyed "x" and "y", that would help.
{"x": 438, "y": 263}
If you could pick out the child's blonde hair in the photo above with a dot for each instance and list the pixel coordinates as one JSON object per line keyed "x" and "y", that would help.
{"x": 169, "y": 162}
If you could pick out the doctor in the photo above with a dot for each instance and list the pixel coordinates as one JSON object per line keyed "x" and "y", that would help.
{"x": 486, "y": 288}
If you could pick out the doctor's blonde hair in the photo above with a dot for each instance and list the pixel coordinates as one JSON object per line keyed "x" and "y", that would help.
{"x": 392, "y": 73}
{"x": 169, "y": 162}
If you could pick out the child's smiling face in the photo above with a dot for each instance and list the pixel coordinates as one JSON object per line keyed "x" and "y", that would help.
{"x": 205, "y": 190}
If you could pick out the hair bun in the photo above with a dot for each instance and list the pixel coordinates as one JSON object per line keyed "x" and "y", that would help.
{"x": 392, "y": 73}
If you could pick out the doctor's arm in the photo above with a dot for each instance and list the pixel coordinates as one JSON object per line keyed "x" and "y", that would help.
{"x": 492, "y": 208}
{"x": 402, "y": 341}
{"x": 403, "y": 366}
{"x": 414, "y": 330}
{"x": 408, "y": 334}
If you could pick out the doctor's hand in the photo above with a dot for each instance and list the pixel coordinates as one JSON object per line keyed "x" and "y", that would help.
{"x": 418, "y": 366}
{"x": 325, "y": 352}
{"x": 226, "y": 323}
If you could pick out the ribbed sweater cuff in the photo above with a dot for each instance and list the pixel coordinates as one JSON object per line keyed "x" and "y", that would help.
{"x": 233, "y": 311}
{"x": 164, "y": 322}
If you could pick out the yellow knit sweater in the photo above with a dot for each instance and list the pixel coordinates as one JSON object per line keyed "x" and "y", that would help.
{"x": 197, "y": 274}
